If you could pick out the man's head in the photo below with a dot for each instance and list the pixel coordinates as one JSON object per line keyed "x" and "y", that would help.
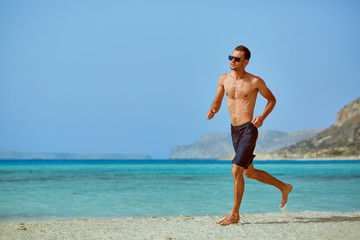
{"x": 239, "y": 58}
{"x": 247, "y": 53}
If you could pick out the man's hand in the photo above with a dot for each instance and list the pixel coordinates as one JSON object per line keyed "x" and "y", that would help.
{"x": 210, "y": 114}
{"x": 257, "y": 121}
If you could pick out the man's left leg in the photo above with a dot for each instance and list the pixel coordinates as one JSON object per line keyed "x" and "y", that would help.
{"x": 265, "y": 177}
{"x": 239, "y": 186}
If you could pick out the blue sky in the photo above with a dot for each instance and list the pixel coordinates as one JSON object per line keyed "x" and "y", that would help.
{"x": 139, "y": 76}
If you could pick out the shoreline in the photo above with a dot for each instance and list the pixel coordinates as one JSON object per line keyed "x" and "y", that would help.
{"x": 270, "y": 157}
{"x": 259, "y": 157}
{"x": 281, "y": 225}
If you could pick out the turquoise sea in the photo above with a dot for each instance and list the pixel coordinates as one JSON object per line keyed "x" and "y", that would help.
{"x": 43, "y": 190}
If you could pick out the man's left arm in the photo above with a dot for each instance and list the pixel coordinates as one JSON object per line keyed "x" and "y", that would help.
{"x": 266, "y": 93}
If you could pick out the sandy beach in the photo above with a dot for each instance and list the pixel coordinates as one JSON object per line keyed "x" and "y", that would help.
{"x": 283, "y": 225}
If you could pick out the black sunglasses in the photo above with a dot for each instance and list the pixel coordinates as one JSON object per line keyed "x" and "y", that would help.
{"x": 237, "y": 59}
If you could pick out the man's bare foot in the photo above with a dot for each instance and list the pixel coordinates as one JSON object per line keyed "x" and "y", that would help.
{"x": 230, "y": 219}
{"x": 285, "y": 194}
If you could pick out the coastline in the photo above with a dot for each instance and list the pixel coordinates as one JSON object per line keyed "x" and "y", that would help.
{"x": 272, "y": 157}
{"x": 282, "y": 225}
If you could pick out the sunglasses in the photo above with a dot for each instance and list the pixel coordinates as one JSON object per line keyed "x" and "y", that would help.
{"x": 237, "y": 59}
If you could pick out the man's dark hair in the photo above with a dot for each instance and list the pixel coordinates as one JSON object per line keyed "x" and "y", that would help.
{"x": 245, "y": 50}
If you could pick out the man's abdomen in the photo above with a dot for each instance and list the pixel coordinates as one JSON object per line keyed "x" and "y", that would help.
{"x": 240, "y": 111}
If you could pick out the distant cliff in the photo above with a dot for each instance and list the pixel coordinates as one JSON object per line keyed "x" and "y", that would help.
{"x": 218, "y": 145}
{"x": 340, "y": 140}
{"x": 69, "y": 156}
{"x": 346, "y": 113}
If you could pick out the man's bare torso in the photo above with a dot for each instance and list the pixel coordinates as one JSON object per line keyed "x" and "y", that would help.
{"x": 241, "y": 90}
{"x": 241, "y": 97}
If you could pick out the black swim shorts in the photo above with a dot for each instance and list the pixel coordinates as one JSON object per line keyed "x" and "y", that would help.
{"x": 244, "y": 139}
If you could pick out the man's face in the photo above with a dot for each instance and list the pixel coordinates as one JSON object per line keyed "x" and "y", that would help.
{"x": 238, "y": 65}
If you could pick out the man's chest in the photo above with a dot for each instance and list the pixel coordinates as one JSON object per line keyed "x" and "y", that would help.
{"x": 237, "y": 89}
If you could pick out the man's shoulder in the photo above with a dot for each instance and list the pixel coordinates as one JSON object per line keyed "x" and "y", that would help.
{"x": 254, "y": 79}
{"x": 228, "y": 75}
{"x": 252, "y": 76}
{"x": 225, "y": 76}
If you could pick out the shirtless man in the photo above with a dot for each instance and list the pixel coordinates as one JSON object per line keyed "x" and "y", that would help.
{"x": 241, "y": 90}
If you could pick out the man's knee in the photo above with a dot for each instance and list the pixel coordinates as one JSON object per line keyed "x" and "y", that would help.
{"x": 237, "y": 170}
{"x": 250, "y": 173}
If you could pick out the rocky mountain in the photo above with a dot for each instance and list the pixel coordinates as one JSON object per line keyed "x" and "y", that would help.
{"x": 69, "y": 156}
{"x": 211, "y": 145}
{"x": 346, "y": 113}
{"x": 341, "y": 140}
{"x": 271, "y": 141}
{"x": 217, "y": 145}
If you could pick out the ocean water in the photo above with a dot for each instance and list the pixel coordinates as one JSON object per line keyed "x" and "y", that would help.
{"x": 44, "y": 190}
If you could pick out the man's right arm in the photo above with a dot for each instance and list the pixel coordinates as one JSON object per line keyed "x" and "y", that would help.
{"x": 215, "y": 106}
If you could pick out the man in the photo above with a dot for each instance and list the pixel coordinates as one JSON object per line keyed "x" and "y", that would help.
{"x": 241, "y": 90}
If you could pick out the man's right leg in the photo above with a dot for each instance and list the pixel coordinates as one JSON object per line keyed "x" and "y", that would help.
{"x": 265, "y": 177}
{"x": 239, "y": 185}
